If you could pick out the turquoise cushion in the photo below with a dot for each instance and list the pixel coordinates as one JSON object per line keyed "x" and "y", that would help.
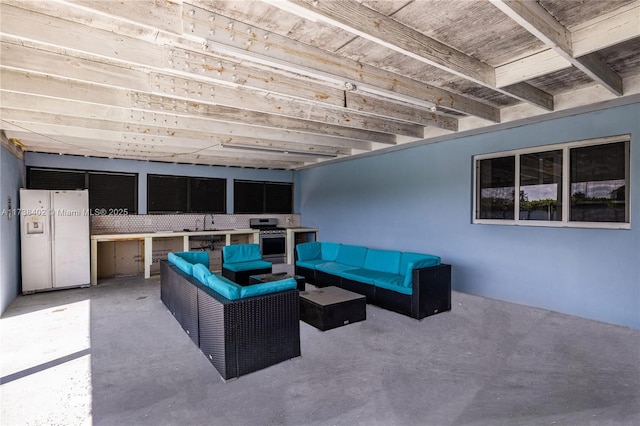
{"x": 194, "y": 257}
{"x": 247, "y": 266}
{"x": 309, "y": 251}
{"x": 408, "y": 257}
{"x": 333, "y": 267}
{"x": 183, "y": 265}
{"x": 365, "y": 276}
{"x": 241, "y": 253}
{"x": 425, "y": 262}
{"x": 266, "y": 288}
{"x": 330, "y": 251}
{"x": 351, "y": 255}
{"x": 223, "y": 286}
{"x": 311, "y": 264}
{"x": 201, "y": 273}
{"x": 171, "y": 257}
{"x": 394, "y": 283}
{"x": 383, "y": 261}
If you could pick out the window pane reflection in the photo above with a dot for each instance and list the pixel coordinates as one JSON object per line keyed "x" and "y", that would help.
{"x": 541, "y": 186}
{"x": 496, "y": 188}
{"x": 598, "y": 189}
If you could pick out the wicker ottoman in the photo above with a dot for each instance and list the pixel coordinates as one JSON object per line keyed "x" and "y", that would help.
{"x": 332, "y": 307}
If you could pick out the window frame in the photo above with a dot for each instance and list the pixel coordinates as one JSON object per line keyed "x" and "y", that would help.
{"x": 566, "y": 184}
{"x": 86, "y": 174}
{"x": 188, "y": 205}
{"x": 265, "y": 201}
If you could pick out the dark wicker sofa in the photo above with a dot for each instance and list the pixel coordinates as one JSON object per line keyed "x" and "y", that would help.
{"x": 237, "y": 336}
{"x": 413, "y": 284}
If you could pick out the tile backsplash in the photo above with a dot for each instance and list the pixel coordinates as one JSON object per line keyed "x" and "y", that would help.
{"x": 111, "y": 224}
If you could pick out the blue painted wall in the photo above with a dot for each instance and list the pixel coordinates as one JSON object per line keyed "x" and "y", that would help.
{"x": 420, "y": 199}
{"x": 11, "y": 180}
{"x": 143, "y": 168}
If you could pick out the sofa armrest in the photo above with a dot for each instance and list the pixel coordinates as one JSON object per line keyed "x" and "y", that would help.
{"x": 431, "y": 290}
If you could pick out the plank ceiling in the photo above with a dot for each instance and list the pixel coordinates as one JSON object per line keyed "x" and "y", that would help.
{"x": 285, "y": 84}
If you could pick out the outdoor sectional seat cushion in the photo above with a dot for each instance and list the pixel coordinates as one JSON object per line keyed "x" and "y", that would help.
{"x": 247, "y": 266}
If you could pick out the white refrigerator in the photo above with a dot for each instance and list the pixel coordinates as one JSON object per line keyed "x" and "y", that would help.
{"x": 54, "y": 238}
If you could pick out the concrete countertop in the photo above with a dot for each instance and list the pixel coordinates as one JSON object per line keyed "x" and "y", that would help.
{"x": 168, "y": 234}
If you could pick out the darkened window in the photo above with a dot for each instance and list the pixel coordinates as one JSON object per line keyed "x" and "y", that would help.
{"x": 54, "y": 179}
{"x": 208, "y": 195}
{"x": 109, "y": 193}
{"x": 183, "y": 194}
{"x": 598, "y": 183}
{"x": 574, "y": 184}
{"x": 496, "y": 188}
{"x": 262, "y": 197}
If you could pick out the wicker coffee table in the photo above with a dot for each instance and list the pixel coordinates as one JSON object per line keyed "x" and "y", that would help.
{"x": 332, "y": 307}
{"x": 267, "y": 278}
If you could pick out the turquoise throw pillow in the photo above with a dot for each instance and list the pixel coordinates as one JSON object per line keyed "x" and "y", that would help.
{"x": 201, "y": 273}
{"x": 184, "y": 266}
{"x": 223, "y": 287}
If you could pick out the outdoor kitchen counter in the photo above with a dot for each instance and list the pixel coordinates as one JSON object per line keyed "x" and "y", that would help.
{"x": 298, "y": 235}
{"x": 148, "y": 238}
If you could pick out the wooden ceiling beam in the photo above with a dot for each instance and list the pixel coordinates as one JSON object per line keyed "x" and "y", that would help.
{"x": 535, "y": 19}
{"x": 105, "y": 151}
{"x": 95, "y": 117}
{"x": 385, "y": 31}
{"x": 24, "y": 82}
{"x": 234, "y": 38}
{"x": 599, "y": 33}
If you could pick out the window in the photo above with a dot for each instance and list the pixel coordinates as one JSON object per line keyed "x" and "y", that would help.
{"x": 182, "y": 194}
{"x": 582, "y": 184}
{"x": 112, "y": 193}
{"x": 262, "y": 197}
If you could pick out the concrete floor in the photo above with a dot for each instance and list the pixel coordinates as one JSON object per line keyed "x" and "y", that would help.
{"x": 113, "y": 355}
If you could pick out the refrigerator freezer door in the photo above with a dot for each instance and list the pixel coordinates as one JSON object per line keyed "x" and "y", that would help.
{"x": 35, "y": 239}
{"x": 71, "y": 241}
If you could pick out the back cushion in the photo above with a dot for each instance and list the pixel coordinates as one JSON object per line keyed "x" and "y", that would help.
{"x": 383, "y": 261}
{"x": 351, "y": 255}
{"x": 309, "y": 251}
{"x": 330, "y": 251}
{"x": 241, "y": 253}
{"x": 183, "y": 265}
{"x": 195, "y": 257}
{"x": 201, "y": 272}
{"x": 266, "y": 288}
{"x": 223, "y": 287}
{"x": 416, "y": 258}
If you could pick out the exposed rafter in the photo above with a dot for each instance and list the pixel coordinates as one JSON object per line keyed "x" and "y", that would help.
{"x": 378, "y": 28}
{"x": 248, "y": 84}
{"x": 535, "y": 19}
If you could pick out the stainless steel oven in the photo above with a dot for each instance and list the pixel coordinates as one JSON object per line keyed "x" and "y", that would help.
{"x": 273, "y": 240}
